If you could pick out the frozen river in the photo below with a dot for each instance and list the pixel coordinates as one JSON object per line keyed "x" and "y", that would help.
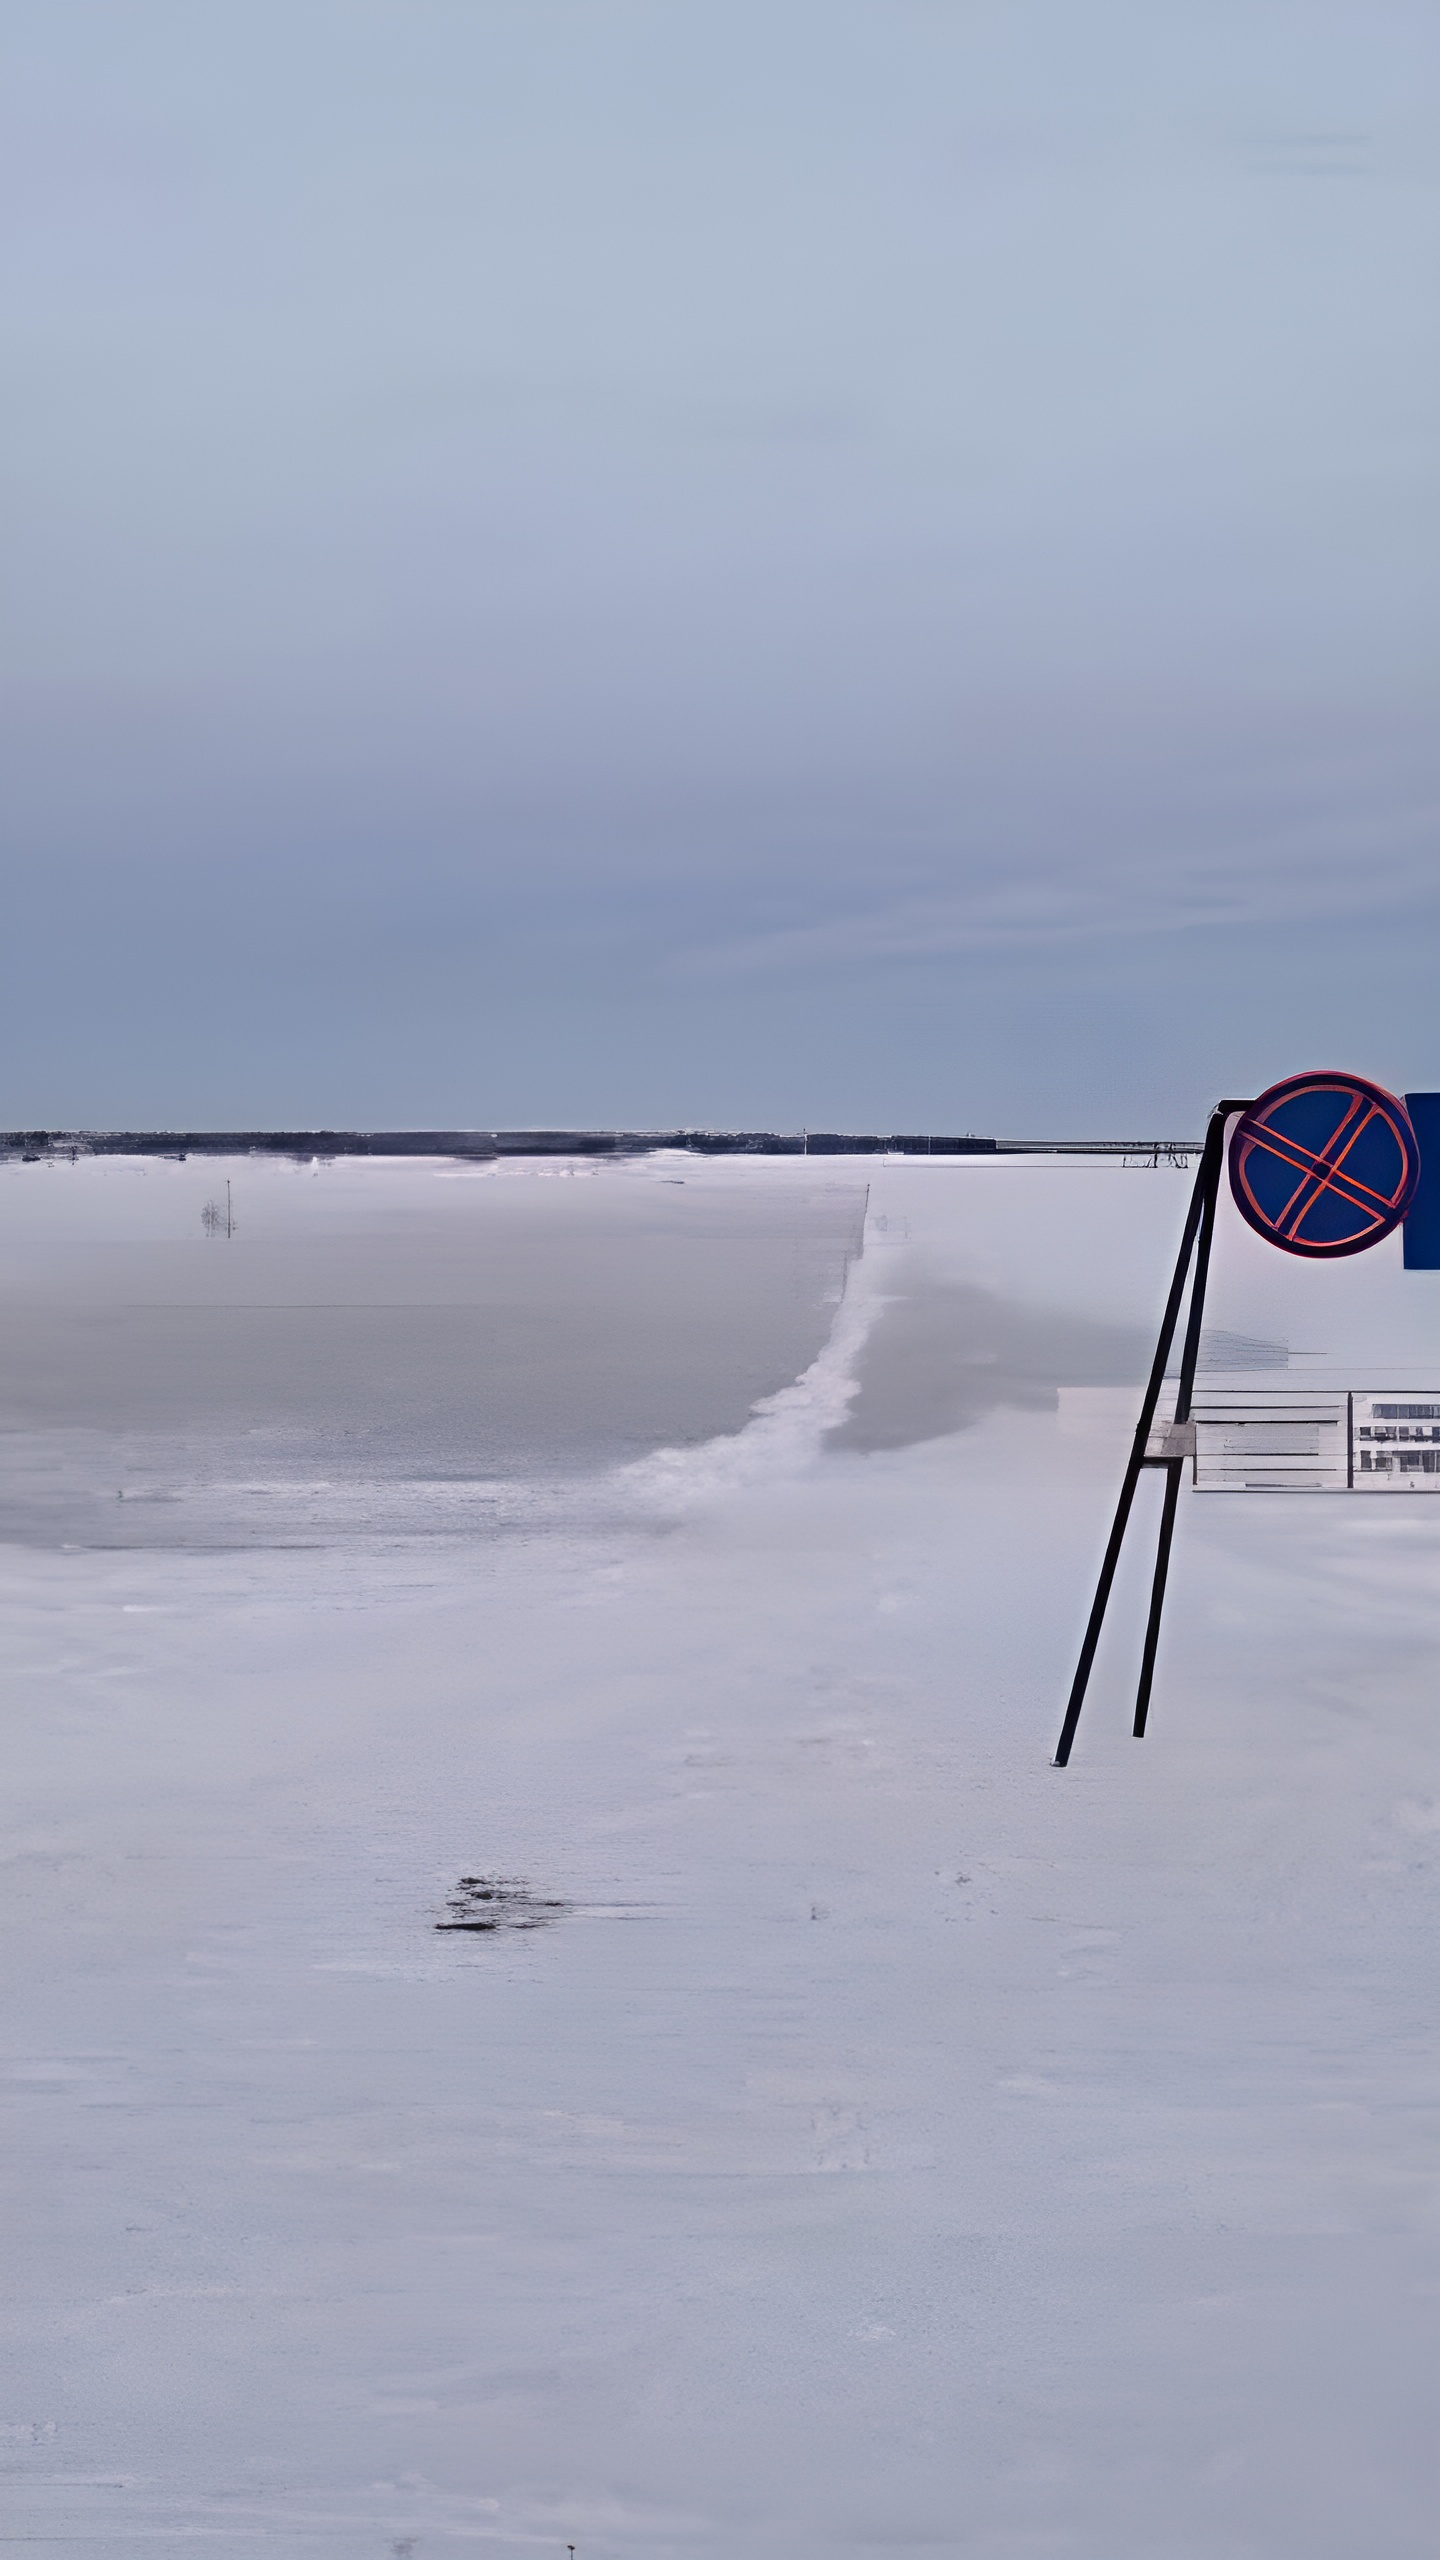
{"x": 855, "y": 2135}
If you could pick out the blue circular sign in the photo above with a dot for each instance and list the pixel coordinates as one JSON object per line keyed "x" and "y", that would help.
{"x": 1324, "y": 1165}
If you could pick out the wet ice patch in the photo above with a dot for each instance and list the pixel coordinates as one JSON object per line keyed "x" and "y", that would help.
{"x": 944, "y": 1353}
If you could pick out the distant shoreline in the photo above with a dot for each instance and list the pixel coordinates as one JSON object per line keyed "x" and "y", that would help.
{"x": 33, "y": 1146}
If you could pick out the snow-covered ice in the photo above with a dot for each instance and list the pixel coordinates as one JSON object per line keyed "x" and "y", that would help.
{"x": 893, "y": 2142}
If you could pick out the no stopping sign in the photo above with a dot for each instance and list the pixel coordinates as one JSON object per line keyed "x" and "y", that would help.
{"x": 1324, "y": 1165}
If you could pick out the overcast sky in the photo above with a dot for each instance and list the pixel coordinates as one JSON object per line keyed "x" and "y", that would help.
{"x": 868, "y": 563}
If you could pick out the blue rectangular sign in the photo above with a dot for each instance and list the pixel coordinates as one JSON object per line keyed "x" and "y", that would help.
{"x": 1422, "y": 1227}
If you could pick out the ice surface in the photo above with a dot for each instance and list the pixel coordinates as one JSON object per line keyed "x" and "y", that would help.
{"x": 893, "y": 2143}
{"x": 402, "y": 1345}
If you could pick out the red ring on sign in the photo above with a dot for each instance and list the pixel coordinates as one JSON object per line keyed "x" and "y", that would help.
{"x": 1324, "y": 1165}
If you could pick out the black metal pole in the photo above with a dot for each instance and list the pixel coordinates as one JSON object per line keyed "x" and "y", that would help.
{"x": 1132, "y": 1471}
{"x": 1206, "y": 1187}
{"x": 1212, "y": 1163}
{"x": 1157, "y": 1594}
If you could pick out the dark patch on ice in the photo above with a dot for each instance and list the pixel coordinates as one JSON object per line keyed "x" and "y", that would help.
{"x": 944, "y": 1354}
{"x": 484, "y": 1903}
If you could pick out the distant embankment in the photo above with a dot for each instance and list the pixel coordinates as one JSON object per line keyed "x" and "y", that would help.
{"x": 482, "y": 1145}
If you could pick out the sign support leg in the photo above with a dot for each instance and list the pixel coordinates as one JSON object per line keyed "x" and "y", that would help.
{"x": 1199, "y": 1222}
{"x": 1157, "y": 1595}
{"x": 1210, "y": 1173}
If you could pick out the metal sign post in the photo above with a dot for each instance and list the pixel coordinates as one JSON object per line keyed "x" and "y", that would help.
{"x": 1322, "y": 1166}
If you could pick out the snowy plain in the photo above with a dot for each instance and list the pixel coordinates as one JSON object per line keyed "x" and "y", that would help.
{"x": 889, "y": 2142}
